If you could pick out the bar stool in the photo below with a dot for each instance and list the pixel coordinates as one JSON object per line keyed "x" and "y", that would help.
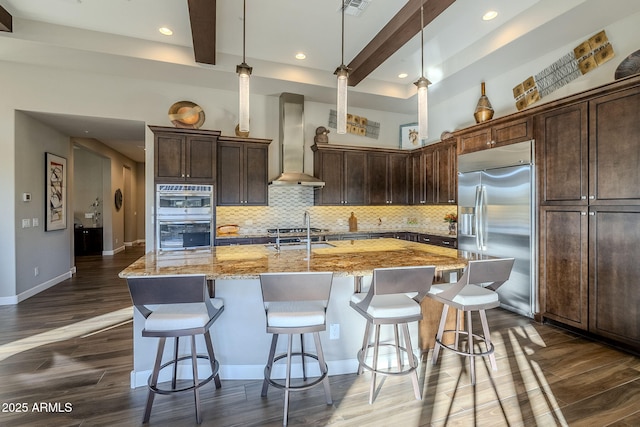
{"x": 184, "y": 309}
{"x": 475, "y": 291}
{"x": 296, "y": 303}
{"x": 387, "y": 303}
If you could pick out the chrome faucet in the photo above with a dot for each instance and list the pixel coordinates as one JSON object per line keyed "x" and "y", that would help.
{"x": 278, "y": 239}
{"x": 307, "y": 223}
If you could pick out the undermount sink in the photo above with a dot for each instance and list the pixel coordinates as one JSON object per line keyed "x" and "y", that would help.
{"x": 299, "y": 246}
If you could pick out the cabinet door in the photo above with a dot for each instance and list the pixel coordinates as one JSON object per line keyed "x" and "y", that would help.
{"x": 230, "y": 171}
{"x": 170, "y": 158}
{"x": 563, "y": 265}
{"x": 256, "y": 164}
{"x": 418, "y": 178}
{"x": 446, "y": 165}
{"x": 512, "y": 131}
{"x": 614, "y": 297}
{"x": 328, "y": 166}
{"x": 474, "y": 141}
{"x": 200, "y": 159}
{"x": 562, "y": 155}
{"x": 614, "y": 144}
{"x": 398, "y": 179}
{"x": 354, "y": 178}
{"x": 377, "y": 179}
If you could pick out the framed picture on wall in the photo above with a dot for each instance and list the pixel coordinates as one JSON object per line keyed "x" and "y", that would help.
{"x": 409, "y": 136}
{"x": 56, "y": 192}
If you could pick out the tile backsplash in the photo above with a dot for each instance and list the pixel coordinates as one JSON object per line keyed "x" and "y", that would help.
{"x": 287, "y": 206}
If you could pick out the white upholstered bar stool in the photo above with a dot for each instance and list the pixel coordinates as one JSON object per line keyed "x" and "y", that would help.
{"x": 296, "y": 303}
{"x": 177, "y": 306}
{"x": 393, "y": 299}
{"x": 475, "y": 291}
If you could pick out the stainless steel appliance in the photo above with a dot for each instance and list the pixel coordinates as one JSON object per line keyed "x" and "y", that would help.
{"x": 185, "y": 216}
{"x": 496, "y": 216}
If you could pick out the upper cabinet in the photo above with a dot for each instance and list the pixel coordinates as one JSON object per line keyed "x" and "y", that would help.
{"x": 494, "y": 134}
{"x": 434, "y": 174}
{"x": 184, "y": 155}
{"x": 242, "y": 171}
{"x": 387, "y": 178}
{"x": 343, "y": 172}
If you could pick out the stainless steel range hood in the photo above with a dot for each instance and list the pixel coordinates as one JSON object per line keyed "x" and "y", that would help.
{"x": 292, "y": 144}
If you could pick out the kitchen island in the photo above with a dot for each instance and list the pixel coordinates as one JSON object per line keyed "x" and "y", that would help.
{"x": 239, "y": 335}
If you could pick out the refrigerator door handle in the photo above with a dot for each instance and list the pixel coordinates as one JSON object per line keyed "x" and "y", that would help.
{"x": 477, "y": 216}
{"x": 482, "y": 217}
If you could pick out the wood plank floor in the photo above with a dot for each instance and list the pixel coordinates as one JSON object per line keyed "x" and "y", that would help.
{"x": 66, "y": 356}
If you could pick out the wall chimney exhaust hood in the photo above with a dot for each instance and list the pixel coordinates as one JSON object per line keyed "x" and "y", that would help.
{"x": 292, "y": 144}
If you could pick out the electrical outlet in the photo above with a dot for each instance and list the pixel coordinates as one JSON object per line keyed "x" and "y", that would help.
{"x": 35, "y": 222}
{"x": 26, "y": 223}
{"x": 36, "y": 271}
{"x": 334, "y": 331}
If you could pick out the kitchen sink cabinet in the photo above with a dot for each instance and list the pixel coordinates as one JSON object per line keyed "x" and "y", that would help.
{"x": 184, "y": 155}
{"x": 495, "y": 134}
{"x": 343, "y": 173}
{"x": 242, "y": 171}
{"x": 387, "y": 178}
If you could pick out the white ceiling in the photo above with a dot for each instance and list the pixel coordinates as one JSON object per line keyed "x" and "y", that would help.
{"x": 458, "y": 45}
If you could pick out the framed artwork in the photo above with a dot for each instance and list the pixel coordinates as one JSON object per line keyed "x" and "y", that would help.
{"x": 56, "y": 192}
{"x": 409, "y": 136}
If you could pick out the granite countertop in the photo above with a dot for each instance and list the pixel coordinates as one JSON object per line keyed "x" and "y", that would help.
{"x": 344, "y": 258}
{"x": 329, "y": 233}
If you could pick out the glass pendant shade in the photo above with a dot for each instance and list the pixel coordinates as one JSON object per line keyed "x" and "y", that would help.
{"x": 244, "y": 73}
{"x": 341, "y": 115}
{"x": 423, "y": 114}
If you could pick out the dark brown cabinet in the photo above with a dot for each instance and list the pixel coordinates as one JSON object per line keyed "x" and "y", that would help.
{"x": 242, "y": 171}
{"x": 87, "y": 241}
{"x": 496, "y": 133}
{"x": 434, "y": 174}
{"x": 589, "y": 190}
{"x": 343, "y": 172}
{"x": 387, "y": 178}
{"x": 562, "y": 154}
{"x": 184, "y": 155}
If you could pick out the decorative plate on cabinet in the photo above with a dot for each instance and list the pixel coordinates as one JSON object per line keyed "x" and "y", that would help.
{"x": 186, "y": 114}
{"x": 629, "y": 66}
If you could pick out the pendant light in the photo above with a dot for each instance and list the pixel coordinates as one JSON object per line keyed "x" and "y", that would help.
{"x": 244, "y": 73}
{"x": 422, "y": 83}
{"x": 343, "y": 77}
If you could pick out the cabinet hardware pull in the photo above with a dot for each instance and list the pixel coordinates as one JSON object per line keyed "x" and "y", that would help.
{"x": 592, "y": 213}
{"x": 583, "y": 213}
{"x": 583, "y": 197}
{"x": 592, "y": 197}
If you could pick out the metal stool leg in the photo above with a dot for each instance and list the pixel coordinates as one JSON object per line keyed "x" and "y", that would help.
{"x": 412, "y": 362}
{"x": 212, "y": 358}
{"x": 287, "y": 382}
{"x": 153, "y": 380}
{"x": 487, "y": 339}
{"x": 323, "y": 368}
{"x": 175, "y": 365}
{"x": 472, "y": 359}
{"x": 304, "y": 365}
{"x": 267, "y": 369}
{"x": 196, "y": 381}
{"x": 365, "y": 346}
{"x": 397, "y": 338}
{"x": 437, "y": 345}
{"x": 375, "y": 363}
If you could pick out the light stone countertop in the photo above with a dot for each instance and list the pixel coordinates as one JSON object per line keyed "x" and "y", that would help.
{"x": 344, "y": 258}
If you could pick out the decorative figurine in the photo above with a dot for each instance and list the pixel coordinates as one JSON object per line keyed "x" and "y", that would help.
{"x": 322, "y": 136}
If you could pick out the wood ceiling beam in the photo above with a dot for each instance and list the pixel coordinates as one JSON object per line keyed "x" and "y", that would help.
{"x": 202, "y": 14}
{"x": 6, "y": 20}
{"x": 398, "y": 31}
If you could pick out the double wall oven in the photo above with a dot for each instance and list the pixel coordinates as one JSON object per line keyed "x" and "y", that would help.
{"x": 185, "y": 216}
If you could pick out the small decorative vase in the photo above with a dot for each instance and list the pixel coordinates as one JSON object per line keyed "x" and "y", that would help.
{"x": 452, "y": 228}
{"x": 484, "y": 110}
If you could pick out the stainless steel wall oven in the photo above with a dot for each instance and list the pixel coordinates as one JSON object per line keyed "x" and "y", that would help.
{"x": 185, "y": 216}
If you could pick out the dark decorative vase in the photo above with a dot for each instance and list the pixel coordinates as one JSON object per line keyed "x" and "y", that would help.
{"x": 484, "y": 110}
{"x": 452, "y": 228}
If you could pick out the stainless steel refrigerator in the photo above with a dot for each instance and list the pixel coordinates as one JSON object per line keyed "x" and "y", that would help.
{"x": 496, "y": 216}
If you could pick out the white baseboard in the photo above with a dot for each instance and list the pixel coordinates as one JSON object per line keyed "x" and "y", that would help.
{"x": 15, "y": 299}
{"x": 115, "y": 251}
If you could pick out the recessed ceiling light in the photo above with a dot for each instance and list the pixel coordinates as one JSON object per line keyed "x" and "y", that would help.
{"x": 403, "y": 75}
{"x": 489, "y": 15}
{"x": 165, "y": 31}
{"x": 300, "y": 55}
